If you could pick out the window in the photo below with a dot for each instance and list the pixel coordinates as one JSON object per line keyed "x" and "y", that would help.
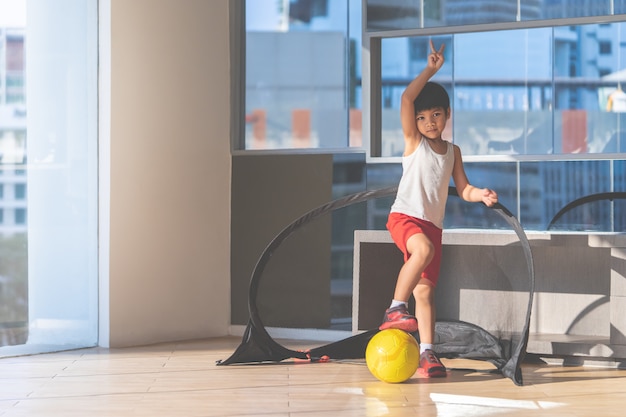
{"x": 20, "y": 191}
{"x": 523, "y": 103}
{"x": 301, "y": 66}
{"x": 539, "y": 103}
{"x": 20, "y": 216}
{"x": 48, "y": 232}
{"x": 604, "y": 47}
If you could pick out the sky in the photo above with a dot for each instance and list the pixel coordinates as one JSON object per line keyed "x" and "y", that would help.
{"x": 12, "y": 13}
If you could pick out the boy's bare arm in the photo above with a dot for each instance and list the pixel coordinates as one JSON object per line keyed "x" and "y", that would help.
{"x": 407, "y": 112}
{"x": 467, "y": 191}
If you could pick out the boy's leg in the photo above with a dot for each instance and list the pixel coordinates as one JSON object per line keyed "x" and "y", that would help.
{"x": 420, "y": 252}
{"x": 424, "y": 294}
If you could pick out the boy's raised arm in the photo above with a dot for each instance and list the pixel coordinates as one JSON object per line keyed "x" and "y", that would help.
{"x": 407, "y": 112}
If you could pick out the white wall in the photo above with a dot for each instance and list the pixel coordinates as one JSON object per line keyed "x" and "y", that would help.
{"x": 166, "y": 275}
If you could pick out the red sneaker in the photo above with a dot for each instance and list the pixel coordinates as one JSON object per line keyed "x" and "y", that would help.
{"x": 430, "y": 365}
{"x": 399, "y": 318}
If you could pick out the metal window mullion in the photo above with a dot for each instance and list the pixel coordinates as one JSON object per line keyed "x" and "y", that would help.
{"x": 372, "y": 95}
{"x": 238, "y": 32}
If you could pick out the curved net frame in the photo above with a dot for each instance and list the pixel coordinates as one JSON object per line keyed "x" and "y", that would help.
{"x": 455, "y": 338}
{"x": 591, "y": 198}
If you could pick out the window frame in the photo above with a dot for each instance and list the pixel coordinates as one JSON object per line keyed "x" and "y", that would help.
{"x": 237, "y": 13}
{"x": 372, "y": 81}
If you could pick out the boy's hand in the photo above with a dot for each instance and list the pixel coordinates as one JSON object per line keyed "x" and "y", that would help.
{"x": 435, "y": 58}
{"x": 490, "y": 197}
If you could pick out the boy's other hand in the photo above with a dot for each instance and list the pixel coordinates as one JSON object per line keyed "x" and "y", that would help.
{"x": 490, "y": 197}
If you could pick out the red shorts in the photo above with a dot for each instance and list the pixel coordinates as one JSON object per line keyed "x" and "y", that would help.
{"x": 402, "y": 227}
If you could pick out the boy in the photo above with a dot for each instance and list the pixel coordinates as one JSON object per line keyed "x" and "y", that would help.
{"x": 416, "y": 217}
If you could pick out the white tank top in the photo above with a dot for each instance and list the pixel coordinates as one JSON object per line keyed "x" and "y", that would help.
{"x": 423, "y": 188}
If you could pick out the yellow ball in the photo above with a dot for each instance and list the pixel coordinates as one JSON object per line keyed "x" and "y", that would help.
{"x": 392, "y": 355}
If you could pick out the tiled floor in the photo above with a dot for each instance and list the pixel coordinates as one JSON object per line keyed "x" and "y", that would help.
{"x": 181, "y": 379}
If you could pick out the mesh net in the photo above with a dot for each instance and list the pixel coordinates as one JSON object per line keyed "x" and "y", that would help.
{"x": 477, "y": 333}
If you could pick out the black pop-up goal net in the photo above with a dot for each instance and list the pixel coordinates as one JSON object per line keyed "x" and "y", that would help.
{"x": 503, "y": 344}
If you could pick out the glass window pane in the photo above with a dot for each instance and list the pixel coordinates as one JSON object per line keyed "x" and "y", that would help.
{"x": 385, "y": 15}
{"x": 545, "y": 188}
{"x": 402, "y": 60}
{"x": 13, "y": 240}
{"x": 546, "y": 91}
{"x": 548, "y": 186}
{"x": 559, "y": 9}
{"x": 395, "y": 14}
{"x": 502, "y": 95}
{"x": 589, "y": 101}
{"x": 501, "y": 177}
{"x": 531, "y": 91}
{"x": 619, "y": 6}
{"x": 300, "y": 90}
{"x": 459, "y": 12}
{"x": 619, "y": 169}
